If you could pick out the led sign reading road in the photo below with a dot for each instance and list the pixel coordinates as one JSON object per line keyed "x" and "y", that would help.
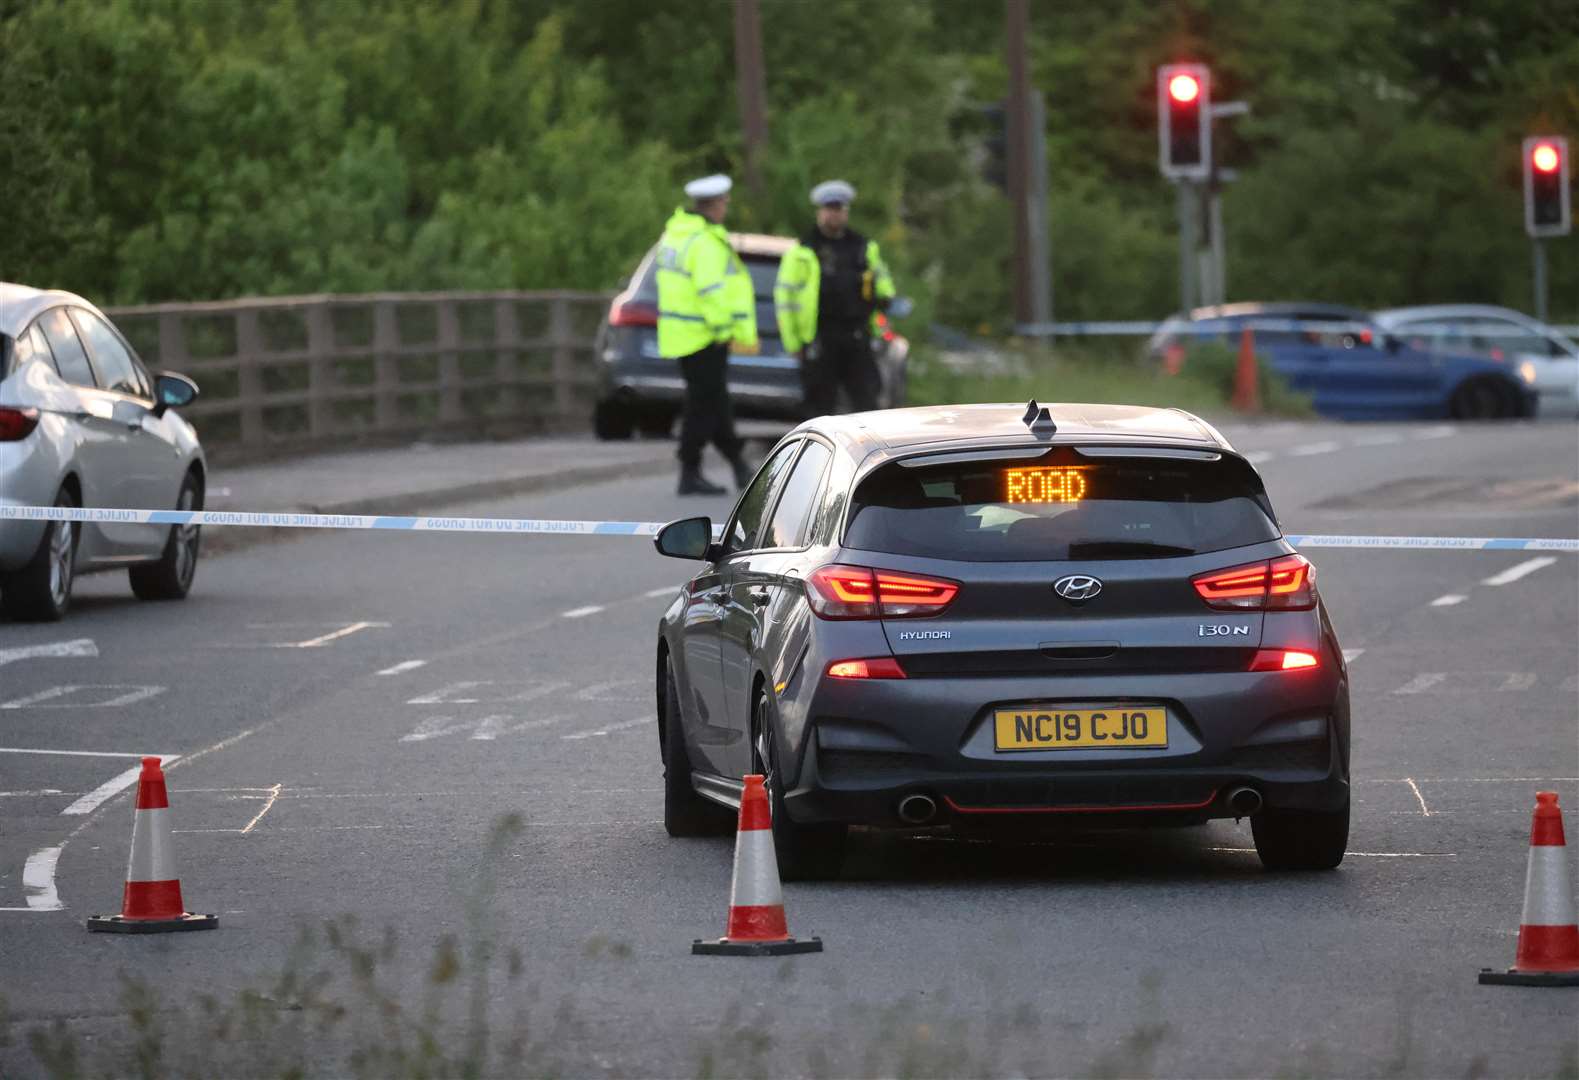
{"x": 1044, "y": 485}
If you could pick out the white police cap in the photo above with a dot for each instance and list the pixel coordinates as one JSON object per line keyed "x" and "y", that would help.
{"x": 832, "y": 191}
{"x": 709, "y": 187}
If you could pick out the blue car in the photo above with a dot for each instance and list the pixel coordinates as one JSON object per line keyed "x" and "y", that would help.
{"x": 1352, "y": 369}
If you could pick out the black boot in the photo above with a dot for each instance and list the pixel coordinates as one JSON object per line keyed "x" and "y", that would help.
{"x": 743, "y": 472}
{"x": 692, "y": 482}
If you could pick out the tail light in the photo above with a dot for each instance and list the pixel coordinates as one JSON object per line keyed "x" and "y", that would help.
{"x": 17, "y": 424}
{"x": 632, "y": 313}
{"x": 879, "y": 667}
{"x": 1284, "y": 660}
{"x": 1283, "y": 584}
{"x": 858, "y": 592}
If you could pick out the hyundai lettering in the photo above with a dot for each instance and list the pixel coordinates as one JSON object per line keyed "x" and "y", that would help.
{"x": 996, "y": 618}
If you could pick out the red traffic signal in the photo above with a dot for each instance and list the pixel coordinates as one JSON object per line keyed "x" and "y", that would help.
{"x": 1546, "y": 194}
{"x": 1184, "y": 121}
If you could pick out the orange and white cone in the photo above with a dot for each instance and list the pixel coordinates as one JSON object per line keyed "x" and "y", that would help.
{"x": 757, "y": 926}
{"x": 151, "y": 902}
{"x": 1548, "y": 952}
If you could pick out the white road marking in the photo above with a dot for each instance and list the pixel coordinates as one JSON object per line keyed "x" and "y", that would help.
{"x": 1311, "y": 449}
{"x": 669, "y": 590}
{"x": 1440, "y": 432}
{"x": 581, "y": 612}
{"x": 1424, "y": 681}
{"x": 1424, "y": 809}
{"x": 623, "y": 725}
{"x": 1449, "y": 600}
{"x": 404, "y": 665}
{"x": 70, "y": 753}
{"x": 79, "y": 647}
{"x": 1570, "y": 685}
{"x": 533, "y": 691}
{"x": 1518, "y": 680}
{"x": 1256, "y": 457}
{"x": 33, "y": 794}
{"x": 1381, "y": 438}
{"x": 319, "y": 642}
{"x": 38, "y": 880}
{"x": 1362, "y": 854}
{"x": 1523, "y": 569}
{"x": 1351, "y": 655}
{"x": 274, "y": 793}
{"x": 441, "y": 696}
{"x": 112, "y": 787}
{"x": 131, "y": 695}
{"x": 601, "y": 691}
{"x": 1476, "y": 780}
{"x": 486, "y": 729}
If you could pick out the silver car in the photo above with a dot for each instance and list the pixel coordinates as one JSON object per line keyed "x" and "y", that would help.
{"x": 83, "y": 423}
{"x": 1539, "y": 355}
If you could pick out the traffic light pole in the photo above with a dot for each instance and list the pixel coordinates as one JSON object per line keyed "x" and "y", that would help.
{"x": 1538, "y": 247}
{"x": 1189, "y": 200}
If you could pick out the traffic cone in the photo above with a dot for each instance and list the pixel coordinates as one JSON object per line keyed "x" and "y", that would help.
{"x": 756, "y": 902}
{"x": 1548, "y": 952}
{"x": 151, "y": 902}
{"x": 1247, "y": 393}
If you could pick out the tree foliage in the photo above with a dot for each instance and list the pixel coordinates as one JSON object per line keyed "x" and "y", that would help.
{"x": 186, "y": 149}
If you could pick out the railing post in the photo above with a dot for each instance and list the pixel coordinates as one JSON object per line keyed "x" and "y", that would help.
{"x": 507, "y": 351}
{"x": 249, "y": 382}
{"x": 320, "y": 371}
{"x": 559, "y": 333}
{"x": 386, "y": 367}
{"x": 449, "y": 364}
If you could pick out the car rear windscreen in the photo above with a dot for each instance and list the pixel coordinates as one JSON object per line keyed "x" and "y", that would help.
{"x": 1060, "y": 505}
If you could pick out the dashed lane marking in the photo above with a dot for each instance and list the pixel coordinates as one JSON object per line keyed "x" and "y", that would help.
{"x": 41, "y": 792}
{"x": 1518, "y": 680}
{"x": 1361, "y": 854}
{"x": 667, "y": 590}
{"x": 129, "y": 695}
{"x": 1421, "y": 682}
{"x": 1382, "y": 438}
{"x": 1523, "y": 569}
{"x": 336, "y": 635}
{"x": 486, "y": 729}
{"x": 1351, "y": 655}
{"x": 59, "y": 649}
{"x": 1441, "y": 432}
{"x": 1311, "y": 449}
{"x": 1425, "y": 811}
{"x": 607, "y": 729}
{"x": 581, "y": 612}
{"x": 449, "y": 695}
{"x": 403, "y": 666}
{"x": 38, "y": 881}
{"x": 1449, "y": 600}
{"x": 1257, "y": 457}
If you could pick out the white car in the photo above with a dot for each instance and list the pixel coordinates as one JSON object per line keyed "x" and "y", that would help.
{"x": 1542, "y": 358}
{"x": 83, "y": 423}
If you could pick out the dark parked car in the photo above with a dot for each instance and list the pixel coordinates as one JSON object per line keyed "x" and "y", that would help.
{"x": 640, "y": 390}
{"x": 989, "y": 616}
{"x": 1352, "y": 368}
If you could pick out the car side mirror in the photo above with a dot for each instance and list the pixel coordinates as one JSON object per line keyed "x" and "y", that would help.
{"x": 172, "y": 391}
{"x": 689, "y": 538}
{"x": 900, "y": 307}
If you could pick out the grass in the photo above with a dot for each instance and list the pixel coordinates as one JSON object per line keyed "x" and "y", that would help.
{"x": 1101, "y": 372}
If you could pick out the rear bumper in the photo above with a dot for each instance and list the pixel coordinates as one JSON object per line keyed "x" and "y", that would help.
{"x": 1286, "y": 736}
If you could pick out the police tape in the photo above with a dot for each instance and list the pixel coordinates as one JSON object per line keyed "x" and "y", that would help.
{"x": 546, "y": 526}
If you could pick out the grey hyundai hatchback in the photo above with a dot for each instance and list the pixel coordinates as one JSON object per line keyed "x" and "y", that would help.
{"x": 993, "y": 617}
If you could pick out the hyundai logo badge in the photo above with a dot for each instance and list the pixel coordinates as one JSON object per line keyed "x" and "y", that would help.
{"x": 1077, "y": 588}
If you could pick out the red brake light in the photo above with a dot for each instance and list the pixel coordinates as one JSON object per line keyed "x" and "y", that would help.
{"x": 16, "y": 424}
{"x": 1284, "y": 660}
{"x": 856, "y": 592}
{"x": 1283, "y": 584}
{"x": 632, "y": 313}
{"x": 881, "y": 667}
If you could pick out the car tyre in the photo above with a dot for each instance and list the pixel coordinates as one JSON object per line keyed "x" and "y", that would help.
{"x": 171, "y": 577}
{"x": 656, "y": 424}
{"x": 685, "y": 813}
{"x": 612, "y": 421}
{"x": 1482, "y": 399}
{"x": 1301, "y": 839}
{"x": 41, "y": 590}
{"x": 805, "y": 852}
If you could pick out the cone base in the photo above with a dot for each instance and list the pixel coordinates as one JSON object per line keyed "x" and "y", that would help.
{"x": 118, "y": 924}
{"x": 1514, "y": 977}
{"x": 725, "y": 947}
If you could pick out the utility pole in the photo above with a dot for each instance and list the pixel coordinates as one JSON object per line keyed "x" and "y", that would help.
{"x": 1027, "y": 161}
{"x": 751, "y": 88}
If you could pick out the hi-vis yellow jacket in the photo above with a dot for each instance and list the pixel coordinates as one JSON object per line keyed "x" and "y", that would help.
{"x": 799, "y": 284}
{"x": 704, "y": 292}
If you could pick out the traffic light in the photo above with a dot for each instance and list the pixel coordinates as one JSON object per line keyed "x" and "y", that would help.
{"x": 1546, "y": 198}
{"x": 1184, "y": 121}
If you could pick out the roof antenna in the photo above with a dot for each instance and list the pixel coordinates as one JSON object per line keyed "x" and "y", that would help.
{"x": 1038, "y": 419}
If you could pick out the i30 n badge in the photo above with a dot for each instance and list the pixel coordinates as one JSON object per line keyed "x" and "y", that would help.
{"x": 1077, "y": 587}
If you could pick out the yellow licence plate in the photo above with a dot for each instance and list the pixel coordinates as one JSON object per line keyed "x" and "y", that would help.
{"x": 1049, "y": 728}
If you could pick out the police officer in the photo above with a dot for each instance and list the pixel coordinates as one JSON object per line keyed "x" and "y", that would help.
{"x": 830, "y": 284}
{"x": 706, "y": 306}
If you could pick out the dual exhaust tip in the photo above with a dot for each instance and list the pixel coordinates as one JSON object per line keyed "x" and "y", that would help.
{"x": 922, "y": 809}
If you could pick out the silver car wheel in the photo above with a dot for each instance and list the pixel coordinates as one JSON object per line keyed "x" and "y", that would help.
{"x": 186, "y": 541}
{"x": 61, "y": 545}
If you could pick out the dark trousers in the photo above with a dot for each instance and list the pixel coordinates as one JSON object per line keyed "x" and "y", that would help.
{"x": 709, "y": 414}
{"x": 844, "y": 358}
